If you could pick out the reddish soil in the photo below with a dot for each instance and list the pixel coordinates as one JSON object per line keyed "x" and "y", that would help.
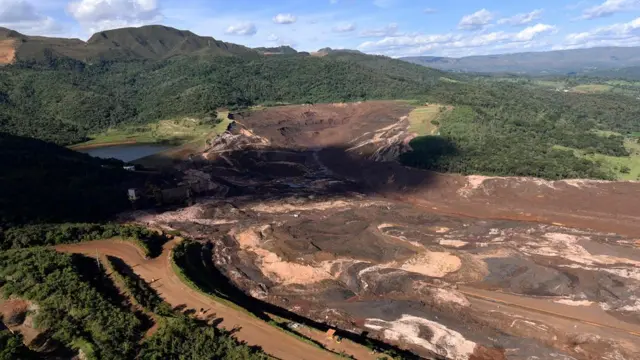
{"x": 7, "y": 51}
{"x": 16, "y": 309}
{"x": 317, "y": 217}
{"x": 322, "y": 125}
{"x": 159, "y": 272}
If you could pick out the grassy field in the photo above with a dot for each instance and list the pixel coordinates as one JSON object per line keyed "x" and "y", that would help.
{"x": 424, "y": 119}
{"x": 549, "y": 84}
{"x": 174, "y": 131}
{"x": 606, "y": 133}
{"x": 617, "y": 165}
{"x": 446, "y": 79}
{"x": 591, "y": 88}
{"x": 166, "y": 158}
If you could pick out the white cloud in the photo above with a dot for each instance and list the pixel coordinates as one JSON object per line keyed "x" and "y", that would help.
{"x": 272, "y": 37}
{"x": 344, "y": 27}
{"x": 476, "y": 21}
{"x": 450, "y": 43}
{"x": 97, "y": 15}
{"x": 284, "y": 19}
{"x": 242, "y": 28}
{"x": 610, "y": 7}
{"x": 531, "y": 32}
{"x": 389, "y": 30}
{"x": 521, "y": 19}
{"x": 429, "y": 11}
{"x": 22, "y": 16}
{"x": 624, "y": 34}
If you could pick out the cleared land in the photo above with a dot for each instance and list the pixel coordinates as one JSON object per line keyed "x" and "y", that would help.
{"x": 314, "y": 224}
{"x": 424, "y": 120}
{"x": 171, "y": 288}
{"x": 174, "y": 131}
{"x": 7, "y": 51}
{"x": 623, "y": 167}
{"x": 591, "y": 88}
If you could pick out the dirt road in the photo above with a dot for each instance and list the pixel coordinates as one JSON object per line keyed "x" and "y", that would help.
{"x": 253, "y": 331}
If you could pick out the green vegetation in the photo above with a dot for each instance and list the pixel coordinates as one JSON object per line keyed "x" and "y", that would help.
{"x": 54, "y": 234}
{"x": 11, "y": 347}
{"x": 591, "y": 88}
{"x": 71, "y": 308}
{"x": 153, "y": 42}
{"x": 67, "y": 106}
{"x": 184, "y": 338}
{"x": 620, "y": 167}
{"x": 504, "y": 125}
{"x": 500, "y": 128}
{"x": 142, "y": 292}
{"x": 177, "y": 131}
{"x": 78, "y": 311}
{"x": 425, "y": 120}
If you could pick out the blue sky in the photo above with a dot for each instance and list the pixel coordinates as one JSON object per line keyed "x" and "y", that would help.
{"x": 388, "y": 27}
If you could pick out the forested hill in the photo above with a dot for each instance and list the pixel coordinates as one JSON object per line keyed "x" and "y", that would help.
{"x": 43, "y": 182}
{"x": 280, "y": 50}
{"x": 153, "y": 42}
{"x": 65, "y": 100}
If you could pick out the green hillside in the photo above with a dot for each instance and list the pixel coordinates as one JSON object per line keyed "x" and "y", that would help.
{"x": 502, "y": 126}
{"x": 280, "y": 50}
{"x": 153, "y": 42}
{"x": 65, "y": 104}
{"x": 44, "y": 182}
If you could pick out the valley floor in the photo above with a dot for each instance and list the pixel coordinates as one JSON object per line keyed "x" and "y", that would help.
{"x": 310, "y": 215}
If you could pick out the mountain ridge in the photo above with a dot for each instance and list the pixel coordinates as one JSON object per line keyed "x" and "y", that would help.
{"x": 151, "y": 42}
{"x": 544, "y": 62}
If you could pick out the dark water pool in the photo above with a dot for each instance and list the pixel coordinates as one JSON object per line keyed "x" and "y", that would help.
{"x": 125, "y": 152}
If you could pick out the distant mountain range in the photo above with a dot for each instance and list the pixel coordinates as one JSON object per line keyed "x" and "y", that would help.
{"x": 538, "y": 63}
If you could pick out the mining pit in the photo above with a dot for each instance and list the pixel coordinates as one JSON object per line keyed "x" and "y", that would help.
{"x": 313, "y": 214}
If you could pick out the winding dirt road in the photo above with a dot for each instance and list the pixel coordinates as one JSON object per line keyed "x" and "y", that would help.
{"x": 159, "y": 273}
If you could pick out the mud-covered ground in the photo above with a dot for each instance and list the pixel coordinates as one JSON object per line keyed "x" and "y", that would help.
{"x": 309, "y": 212}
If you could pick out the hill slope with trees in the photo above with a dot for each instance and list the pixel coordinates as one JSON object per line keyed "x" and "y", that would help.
{"x": 152, "y": 42}
{"x": 499, "y": 127}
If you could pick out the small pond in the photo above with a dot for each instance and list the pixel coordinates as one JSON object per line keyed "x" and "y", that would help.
{"x": 125, "y": 153}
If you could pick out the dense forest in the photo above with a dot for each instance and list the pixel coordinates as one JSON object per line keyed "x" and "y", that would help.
{"x": 66, "y": 100}
{"x": 79, "y": 309}
{"x": 503, "y": 128}
{"x": 498, "y": 127}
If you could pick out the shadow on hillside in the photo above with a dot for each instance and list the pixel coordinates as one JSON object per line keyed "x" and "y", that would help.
{"x": 255, "y": 175}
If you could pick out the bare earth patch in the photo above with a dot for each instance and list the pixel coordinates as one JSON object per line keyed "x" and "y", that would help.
{"x": 7, "y": 51}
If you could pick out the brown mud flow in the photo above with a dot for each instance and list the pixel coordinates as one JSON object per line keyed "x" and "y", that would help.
{"x": 309, "y": 215}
